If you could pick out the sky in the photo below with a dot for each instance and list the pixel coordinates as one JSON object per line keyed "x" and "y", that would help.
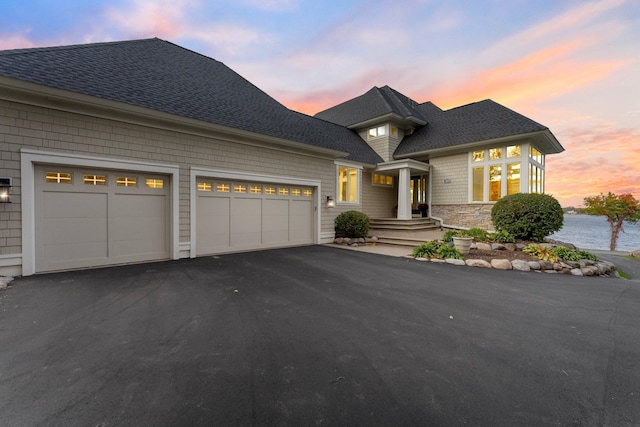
{"x": 571, "y": 65}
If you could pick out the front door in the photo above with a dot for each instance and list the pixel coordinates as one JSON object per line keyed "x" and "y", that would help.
{"x": 418, "y": 188}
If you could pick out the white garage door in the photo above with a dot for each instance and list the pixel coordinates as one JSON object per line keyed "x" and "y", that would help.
{"x": 90, "y": 218}
{"x": 235, "y": 216}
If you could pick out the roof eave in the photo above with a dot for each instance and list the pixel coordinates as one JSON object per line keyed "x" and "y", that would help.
{"x": 544, "y": 139}
{"x": 408, "y": 120}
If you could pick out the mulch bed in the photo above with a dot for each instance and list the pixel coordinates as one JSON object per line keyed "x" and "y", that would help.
{"x": 504, "y": 254}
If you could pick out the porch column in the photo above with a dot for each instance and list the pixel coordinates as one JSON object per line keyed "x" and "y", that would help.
{"x": 404, "y": 203}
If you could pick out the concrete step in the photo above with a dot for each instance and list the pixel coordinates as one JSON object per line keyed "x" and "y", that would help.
{"x": 406, "y": 224}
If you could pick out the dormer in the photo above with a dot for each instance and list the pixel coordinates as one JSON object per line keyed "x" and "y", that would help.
{"x": 382, "y": 117}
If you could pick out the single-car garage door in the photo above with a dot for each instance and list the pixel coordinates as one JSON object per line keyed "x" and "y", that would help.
{"x": 89, "y": 218}
{"x": 235, "y": 216}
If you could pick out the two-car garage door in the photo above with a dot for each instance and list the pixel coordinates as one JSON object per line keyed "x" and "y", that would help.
{"x": 89, "y": 218}
{"x": 243, "y": 215}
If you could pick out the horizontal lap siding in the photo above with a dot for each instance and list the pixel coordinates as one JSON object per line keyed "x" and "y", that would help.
{"x": 450, "y": 180}
{"x": 377, "y": 201}
{"x": 25, "y": 126}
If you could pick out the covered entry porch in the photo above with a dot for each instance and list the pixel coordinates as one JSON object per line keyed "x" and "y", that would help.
{"x": 413, "y": 187}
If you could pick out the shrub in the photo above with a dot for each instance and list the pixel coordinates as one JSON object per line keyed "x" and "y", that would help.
{"x": 502, "y": 237}
{"x": 352, "y": 224}
{"x": 427, "y": 249}
{"x": 527, "y": 216}
{"x": 446, "y": 252}
{"x": 541, "y": 252}
{"x": 586, "y": 255}
{"x": 449, "y": 235}
{"x": 478, "y": 234}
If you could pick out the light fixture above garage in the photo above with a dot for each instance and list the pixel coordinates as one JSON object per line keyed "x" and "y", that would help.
{"x": 5, "y": 190}
{"x": 330, "y": 202}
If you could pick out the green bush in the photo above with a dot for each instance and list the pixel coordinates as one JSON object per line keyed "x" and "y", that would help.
{"x": 449, "y": 235}
{"x": 446, "y": 252}
{"x": 502, "y": 237}
{"x": 352, "y": 224}
{"x": 527, "y": 216}
{"x": 427, "y": 249}
{"x": 571, "y": 254}
{"x": 478, "y": 234}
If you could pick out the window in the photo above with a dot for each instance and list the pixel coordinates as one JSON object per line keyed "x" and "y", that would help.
{"x": 269, "y": 190}
{"x": 347, "y": 184}
{"x": 377, "y": 131}
{"x": 498, "y": 171}
{"x": 95, "y": 180}
{"x": 154, "y": 183}
{"x": 255, "y": 189}
{"x": 308, "y": 193}
{"x": 58, "y": 177}
{"x": 239, "y": 188}
{"x": 495, "y": 183}
{"x": 382, "y": 180}
{"x": 223, "y": 188}
{"x": 126, "y": 181}
{"x": 478, "y": 184}
{"x": 536, "y": 156}
{"x": 295, "y": 192}
{"x": 283, "y": 191}
{"x": 513, "y": 178}
{"x": 513, "y": 151}
{"x": 204, "y": 186}
{"x": 536, "y": 179}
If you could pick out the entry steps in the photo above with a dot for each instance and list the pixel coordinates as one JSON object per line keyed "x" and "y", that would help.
{"x": 410, "y": 232}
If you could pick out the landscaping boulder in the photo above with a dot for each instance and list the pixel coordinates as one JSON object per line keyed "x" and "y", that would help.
{"x": 501, "y": 264}
{"x": 478, "y": 263}
{"x": 520, "y": 265}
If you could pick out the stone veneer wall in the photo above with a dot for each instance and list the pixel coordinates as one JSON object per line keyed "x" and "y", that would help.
{"x": 465, "y": 216}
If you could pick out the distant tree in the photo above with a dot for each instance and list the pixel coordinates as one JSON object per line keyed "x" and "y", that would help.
{"x": 617, "y": 209}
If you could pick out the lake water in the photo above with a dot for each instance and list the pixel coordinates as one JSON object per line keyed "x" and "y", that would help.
{"x": 593, "y": 232}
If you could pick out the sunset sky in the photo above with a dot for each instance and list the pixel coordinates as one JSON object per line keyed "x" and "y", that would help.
{"x": 572, "y": 65}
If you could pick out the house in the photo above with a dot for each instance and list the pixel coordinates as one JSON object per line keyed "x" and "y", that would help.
{"x": 142, "y": 150}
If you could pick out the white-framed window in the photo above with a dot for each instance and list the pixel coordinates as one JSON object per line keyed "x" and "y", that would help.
{"x": 95, "y": 179}
{"x": 536, "y": 171}
{"x": 496, "y": 172}
{"x": 59, "y": 177}
{"x": 381, "y": 180}
{"x": 377, "y": 131}
{"x": 348, "y": 184}
{"x": 204, "y": 186}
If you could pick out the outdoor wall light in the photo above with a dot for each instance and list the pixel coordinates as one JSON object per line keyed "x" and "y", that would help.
{"x": 330, "y": 202}
{"x": 5, "y": 190}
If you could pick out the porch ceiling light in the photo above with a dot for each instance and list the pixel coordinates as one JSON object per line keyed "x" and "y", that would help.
{"x": 5, "y": 190}
{"x": 330, "y": 202}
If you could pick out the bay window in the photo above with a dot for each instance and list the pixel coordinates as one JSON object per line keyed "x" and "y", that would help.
{"x": 500, "y": 171}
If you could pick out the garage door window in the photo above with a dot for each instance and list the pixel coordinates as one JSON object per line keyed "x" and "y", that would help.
{"x": 155, "y": 183}
{"x": 295, "y": 192}
{"x": 223, "y": 188}
{"x": 95, "y": 179}
{"x": 239, "y": 188}
{"x": 308, "y": 193}
{"x": 283, "y": 191}
{"x": 126, "y": 181}
{"x": 204, "y": 186}
{"x": 269, "y": 190}
{"x": 58, "y": 177}
{"x": 255, "y": 189}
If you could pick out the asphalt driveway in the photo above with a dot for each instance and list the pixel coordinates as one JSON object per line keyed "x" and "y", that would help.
{"x": 318, "y": 336}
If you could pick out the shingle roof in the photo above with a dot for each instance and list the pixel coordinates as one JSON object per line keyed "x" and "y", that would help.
{"x": 162, "y": 76}
{"x": 375, "y": 103}
{"x": 476, "y": 122}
